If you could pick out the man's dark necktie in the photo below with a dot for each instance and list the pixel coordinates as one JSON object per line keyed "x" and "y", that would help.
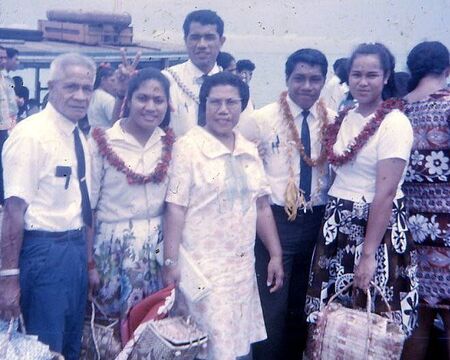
{"x": 81, "y": 171}
{"x": 202, "y": 79}
{"x": 305, "y": 169}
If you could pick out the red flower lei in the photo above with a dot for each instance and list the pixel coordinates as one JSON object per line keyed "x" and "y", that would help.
{"x": 157, "y": 176}
{"x": 358, "y": 142}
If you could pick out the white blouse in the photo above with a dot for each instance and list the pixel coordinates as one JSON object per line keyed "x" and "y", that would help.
{"x": 355, "y": 180}
{"x": 112, "y": 197}
{"x": 101, "y": 109}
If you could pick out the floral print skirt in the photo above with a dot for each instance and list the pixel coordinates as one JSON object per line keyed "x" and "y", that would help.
{"x": 431, "y": 233}
{"x": 125, "y": 255}
{"x": 338, "y": 252}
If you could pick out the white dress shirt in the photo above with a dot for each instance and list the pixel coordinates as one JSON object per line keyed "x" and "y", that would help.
{"x": 355, "y": 181}
{"x": 267, "y": 126}
{"x": 101, "y": 109}
{"x": 185, "y": 114}
{"x": 37, "y": 147}
{"x": 114, "y": 199}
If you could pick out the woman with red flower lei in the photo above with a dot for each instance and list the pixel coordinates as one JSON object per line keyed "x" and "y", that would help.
{"x": 130, "y": 163}
{"x": 364, "y": 236}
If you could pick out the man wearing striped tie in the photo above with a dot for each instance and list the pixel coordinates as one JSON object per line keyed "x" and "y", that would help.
{"x": 44, "y": 256}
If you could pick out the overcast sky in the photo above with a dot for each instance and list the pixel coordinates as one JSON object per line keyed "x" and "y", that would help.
{"x": 260, "y": 25}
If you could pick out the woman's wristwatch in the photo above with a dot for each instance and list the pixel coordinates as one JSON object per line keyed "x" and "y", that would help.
{"x": 170, "y": 262}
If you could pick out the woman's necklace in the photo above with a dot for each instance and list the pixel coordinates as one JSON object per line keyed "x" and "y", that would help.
{"x": 363, "y": 137}
{"x": 156, "y": 177}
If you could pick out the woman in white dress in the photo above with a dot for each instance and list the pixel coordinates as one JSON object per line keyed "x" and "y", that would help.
{"x": 130, "y": 163}
{"x": 101, "y": 107}
{"x": 216, "y": 201}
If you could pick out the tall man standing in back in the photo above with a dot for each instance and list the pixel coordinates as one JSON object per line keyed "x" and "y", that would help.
{"x": 289, "y": 133}
{"x": 43, "y": 246}
{"x": 203, "y": 36}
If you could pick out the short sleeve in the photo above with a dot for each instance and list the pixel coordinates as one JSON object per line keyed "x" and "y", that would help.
{"x": 395, "y": 137}
{"x": 96, "y": 172}
{"x": 180, "y": 174}
{"x": 248, "y": 127}
{"x": 22, "y": 158}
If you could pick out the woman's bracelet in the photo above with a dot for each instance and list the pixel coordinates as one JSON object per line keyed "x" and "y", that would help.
{"x": 9, "y": 272}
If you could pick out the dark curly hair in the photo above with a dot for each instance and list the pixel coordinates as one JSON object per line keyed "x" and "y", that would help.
{"x": 225, "y": 59}
{"x": 104, "y": 70}
{"x": 428, "y": 57}
{"x": 245, "y": 64}
{"x": 311, "y": 57}
{"x": 204, "y": 17}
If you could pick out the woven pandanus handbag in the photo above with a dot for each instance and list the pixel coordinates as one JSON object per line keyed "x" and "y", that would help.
{"x": 351, "y": 334}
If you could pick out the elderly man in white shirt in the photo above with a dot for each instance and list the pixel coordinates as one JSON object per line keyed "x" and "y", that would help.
{"x": 203, "y": 36}
{"x": 288, "y": 132}
{"x": 43, "y": 245}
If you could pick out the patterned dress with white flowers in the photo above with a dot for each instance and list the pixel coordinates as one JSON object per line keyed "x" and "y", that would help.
{"x": 219, "y": 189}
{"x": 341, "y": 239}
{"x": 129, "y": 221}
{"x": 427, "y": 187}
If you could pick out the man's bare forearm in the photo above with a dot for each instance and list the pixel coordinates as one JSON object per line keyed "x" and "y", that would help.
{"x": 12, "y": 232}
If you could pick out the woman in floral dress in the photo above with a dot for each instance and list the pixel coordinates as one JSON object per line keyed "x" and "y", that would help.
{"x": 130, "y": 162}
{"x": 364, "y": 236}
{"x": 427, "y": 187}
{"x": 216, "y": 200}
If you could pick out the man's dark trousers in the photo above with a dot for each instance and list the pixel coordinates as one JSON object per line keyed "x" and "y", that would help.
{"x": 53, "y": 281}
{"x": 284, "y": 310}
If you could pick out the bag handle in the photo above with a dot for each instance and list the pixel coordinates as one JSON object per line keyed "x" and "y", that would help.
{"x": 369, "y": 299}
{"x": 12, "y": 321}
{"x": 368, "y": 309}
{"x": 94, "y": 305}
{"x": 192, "y": 341}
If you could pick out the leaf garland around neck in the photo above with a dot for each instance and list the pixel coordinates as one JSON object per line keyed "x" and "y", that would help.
{"x": 363, "y": 137}
{"x": 289, "y": 118}
{"x": 183, "y": 86}
{"x": 294, "y": 198}
{"x": 133, "y": 178}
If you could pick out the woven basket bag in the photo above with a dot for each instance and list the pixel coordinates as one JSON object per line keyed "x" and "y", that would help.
{"x": 351, "y": 334}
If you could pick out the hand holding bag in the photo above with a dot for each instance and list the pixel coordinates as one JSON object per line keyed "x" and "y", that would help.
{"x": 169, "y": 338}
{"x": 15, "y": 345}
{"x": 352, "y": 334}
{"x": 100, "y": 341}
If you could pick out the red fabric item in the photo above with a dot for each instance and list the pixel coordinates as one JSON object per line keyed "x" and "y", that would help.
{"x": 146, "y": 310}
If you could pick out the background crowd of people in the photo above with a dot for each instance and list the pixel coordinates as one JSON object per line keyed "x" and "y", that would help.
{"x": 337, "y": 181}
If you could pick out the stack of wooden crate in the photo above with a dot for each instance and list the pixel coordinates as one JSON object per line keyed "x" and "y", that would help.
{"x": 86, "y": 33}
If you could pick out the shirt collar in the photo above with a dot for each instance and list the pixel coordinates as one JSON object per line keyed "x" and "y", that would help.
{"x": 60, "y": 121}
{"x": 196, "y": 73}
{"x": 212, "y": 147}
{"x": 297, "y": 110}
{"x": 116, "y": 133}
